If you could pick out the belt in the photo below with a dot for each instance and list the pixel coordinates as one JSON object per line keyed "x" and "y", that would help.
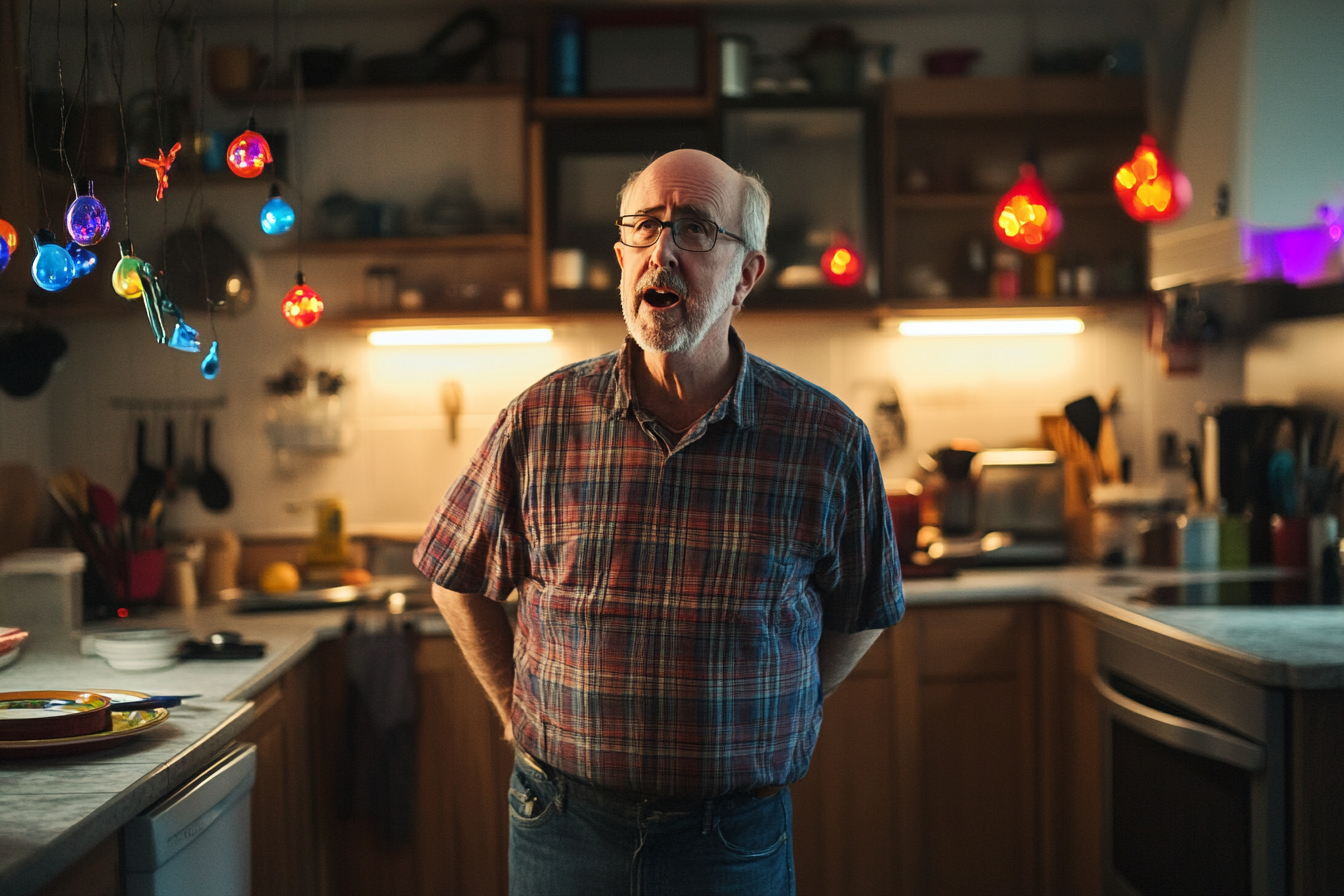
{"x": 664, "y": 803}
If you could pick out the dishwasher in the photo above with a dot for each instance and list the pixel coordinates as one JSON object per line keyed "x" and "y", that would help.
{"x": 197, "y": 841}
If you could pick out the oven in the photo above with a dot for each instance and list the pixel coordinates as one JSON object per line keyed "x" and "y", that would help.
{"x": 1195, "y": 781}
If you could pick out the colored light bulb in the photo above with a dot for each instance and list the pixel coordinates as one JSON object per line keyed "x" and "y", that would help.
{"x": 85, "y": 260}
{"x": 210, "y": 364}
{"x": 53, "y": 268}
{"x": 126, "y": 275}
{"x": 11, "y": 236}
{"x": 277, "y": 215}
{"x": 1150, "y": 187}
{"x": 1026, "y": 217}
{"x": 86, "y": 217}
{"x": 248, "y": 154}
{"x": 842, "y": 264}
{"x": 302, "y": 306}
{"x": 4, "y": 255}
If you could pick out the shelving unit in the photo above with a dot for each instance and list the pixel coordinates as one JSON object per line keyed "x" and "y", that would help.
{"x": 951, "y": 147}
{"x": 370, "y": 93}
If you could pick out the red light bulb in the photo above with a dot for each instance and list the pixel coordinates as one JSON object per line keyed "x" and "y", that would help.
{"x": 842, "y": 265}
{"x": 302, "y": 306}
{"x": 1150, "y": 187}
{"x": 248, "y": 154}
{"x": 1026, "y": 217}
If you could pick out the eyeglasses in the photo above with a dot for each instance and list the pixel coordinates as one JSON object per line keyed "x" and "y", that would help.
{"x": 691, "y": 234}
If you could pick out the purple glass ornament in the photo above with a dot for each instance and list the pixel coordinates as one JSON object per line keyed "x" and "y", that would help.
{"x": 86, "y": 218}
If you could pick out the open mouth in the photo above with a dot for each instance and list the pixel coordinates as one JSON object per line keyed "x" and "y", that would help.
{"x": 660, "y": 298}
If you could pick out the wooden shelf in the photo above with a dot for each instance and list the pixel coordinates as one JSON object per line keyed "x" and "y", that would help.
{"x": 1023, "y": 306}
{"x": 371, "y": 93}
{"x": 549, "y": 107}
{"x": 964, "y": 201}
{"x": 1012, "y": 97}
{"x": 465, "y": 242}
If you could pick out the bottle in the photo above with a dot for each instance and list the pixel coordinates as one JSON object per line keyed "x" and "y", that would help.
{"x": 566, "y": 50}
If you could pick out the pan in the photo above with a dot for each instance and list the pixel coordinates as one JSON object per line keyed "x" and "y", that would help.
{"x": 147, "y": 481}
{"x": 210, "y": 482}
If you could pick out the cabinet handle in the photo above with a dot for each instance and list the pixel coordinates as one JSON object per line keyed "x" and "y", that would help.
{"x": 1182, "y": 734}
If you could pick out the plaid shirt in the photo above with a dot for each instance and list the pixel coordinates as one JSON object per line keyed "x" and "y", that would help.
{"x": 671, "y": 598}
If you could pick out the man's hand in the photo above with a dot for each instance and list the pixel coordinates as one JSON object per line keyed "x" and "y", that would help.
{"x": 482, "y": 630}
{"x": 838, "y": 654}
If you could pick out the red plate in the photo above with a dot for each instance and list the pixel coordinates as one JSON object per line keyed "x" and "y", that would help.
{"x": 125, "y": 725}
{"x": 34, "y": 715}
{"x": 11, "y": 638}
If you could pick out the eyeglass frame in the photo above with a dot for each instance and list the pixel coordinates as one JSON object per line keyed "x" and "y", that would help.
{"x": 663, "y": 225}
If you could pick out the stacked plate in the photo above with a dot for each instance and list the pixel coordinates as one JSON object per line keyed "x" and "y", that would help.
{"x": 139, "y": 650}
{"x": 56, "y": 723}
{"x": 10, "y": 639}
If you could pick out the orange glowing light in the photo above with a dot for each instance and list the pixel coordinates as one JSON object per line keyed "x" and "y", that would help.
{"x": 1027, "y": 218}
{"x": 302, "y": 306}
{"x": 1150, "y": 187}
{"x": 10, "y": 235}
{"x": 841, "y": 264}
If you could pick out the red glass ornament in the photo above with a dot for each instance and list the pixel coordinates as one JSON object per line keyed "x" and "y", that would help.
{"x": 248, "y": 154}
{"x": 842, "y": 265}
{"x": 1026, "y": 217}
{"x": 1150, "y": 187}
{"x": 161, "y": 166}
{"x": 9, "y": 235}
{"x": 303, "y": 306}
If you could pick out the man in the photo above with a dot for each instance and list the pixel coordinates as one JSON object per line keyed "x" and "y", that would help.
{"x": 702, "y": 551}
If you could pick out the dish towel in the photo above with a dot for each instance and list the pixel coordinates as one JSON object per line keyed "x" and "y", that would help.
{"x": 377, "y": 769}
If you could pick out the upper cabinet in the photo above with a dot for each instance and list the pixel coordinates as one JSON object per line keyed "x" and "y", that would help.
{"x": 953, "y": 146}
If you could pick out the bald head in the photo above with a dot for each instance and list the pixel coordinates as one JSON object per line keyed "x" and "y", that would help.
{"x": 743, "y": 201}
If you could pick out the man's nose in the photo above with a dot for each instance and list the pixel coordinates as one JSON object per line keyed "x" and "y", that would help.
{"x": 665, "y": 248}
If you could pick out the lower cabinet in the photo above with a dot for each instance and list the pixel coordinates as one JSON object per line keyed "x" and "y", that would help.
{"x": 962, "y": 756}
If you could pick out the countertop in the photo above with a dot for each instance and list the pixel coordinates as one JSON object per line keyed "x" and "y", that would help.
{"x": 53, "y": 811}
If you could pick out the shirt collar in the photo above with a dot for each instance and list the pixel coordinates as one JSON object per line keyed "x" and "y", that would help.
{"x": 739, "y": 404}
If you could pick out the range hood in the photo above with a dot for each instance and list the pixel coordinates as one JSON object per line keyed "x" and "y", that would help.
{"x": 1260, "y": 134}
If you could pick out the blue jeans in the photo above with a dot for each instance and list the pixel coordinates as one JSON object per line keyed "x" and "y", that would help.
{"x": 568, "y": 837}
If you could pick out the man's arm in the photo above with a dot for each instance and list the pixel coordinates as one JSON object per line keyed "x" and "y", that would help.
{"x": 838, "y": 654}
{"x": 482, "y": 630}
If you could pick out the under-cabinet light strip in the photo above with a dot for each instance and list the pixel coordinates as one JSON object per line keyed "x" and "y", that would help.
{"x": 1015, "y": 326}
{"x": 460, "y": 336}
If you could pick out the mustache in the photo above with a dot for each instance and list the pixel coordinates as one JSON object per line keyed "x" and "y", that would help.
{"x": 664, "y": 279}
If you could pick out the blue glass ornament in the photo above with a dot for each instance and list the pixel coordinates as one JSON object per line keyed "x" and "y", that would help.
{"x": 53, "y": 268}
{"x": 85, "y": 260}
{"x": 86, "y": 218}
{"x": 277, "y": 216}
{"x": 210, "y": 366}
{"x": 184, "y": 337}
{"x": 4, "y": 254}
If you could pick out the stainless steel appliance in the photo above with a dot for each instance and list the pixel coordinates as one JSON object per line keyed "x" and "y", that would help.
{"x": 1019, "y": 493}
{"x": 1194, "y": 777}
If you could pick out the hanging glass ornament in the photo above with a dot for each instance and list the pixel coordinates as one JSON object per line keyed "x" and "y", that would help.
{"x": 4, "y": 255}
{"x": 161, "y": 166}
{"x": 85, "y": 260}
{"x": 86, "y": 217}
{"x": 210, "y": 364}
{"x": 841, "y": 264}
{"x": 1026, "y": 217}
{"x": 248, "y": 154}
{"x": 1150, "y": 187}
{"x": 302, "y": 306}
{"x": 126, "y": 280}
{"x": 184, "y": 337}
{"x": 277, "y": 216}
{"x": 53, "y": 268}
{"x": 10, "y": 235}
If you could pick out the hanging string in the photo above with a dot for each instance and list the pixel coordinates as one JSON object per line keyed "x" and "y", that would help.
{"x": 32, "y": 121}
{"x": 294, "y": 152}
{"x": 117, "y": 62}
{"x": 82, "y": 93}
{"x": 60, "y": 92}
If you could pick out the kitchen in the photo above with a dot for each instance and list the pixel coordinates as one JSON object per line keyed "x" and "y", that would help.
{"x": 993, "y": 390}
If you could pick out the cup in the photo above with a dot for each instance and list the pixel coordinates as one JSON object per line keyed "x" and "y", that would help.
{"x": 1198, "y": 541}
{"x": 735, "y": 65}
{"x": 568, "y": 268}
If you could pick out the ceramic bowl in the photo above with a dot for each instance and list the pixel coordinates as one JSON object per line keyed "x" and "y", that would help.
{"x": 38, "y": 715}
{"x": 139, "y": 650}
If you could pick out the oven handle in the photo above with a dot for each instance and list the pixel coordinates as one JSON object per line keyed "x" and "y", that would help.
{"x": 1182, "y": 734}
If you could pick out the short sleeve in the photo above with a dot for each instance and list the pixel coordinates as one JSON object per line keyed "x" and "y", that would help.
{"x": 475, "y": 541}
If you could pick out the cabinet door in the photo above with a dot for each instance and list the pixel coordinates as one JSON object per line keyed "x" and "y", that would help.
{"x": 843, "y": 812}
{"x": 965, "y": 756}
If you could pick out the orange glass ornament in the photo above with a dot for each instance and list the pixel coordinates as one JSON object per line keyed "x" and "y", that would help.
{"x": 248, "y": 154}
{"x": 1150, "y": 187}
{"x": 842, "y": 265}
{"x": 9, "y": 234}
{"x": 303, "y": 306}
{"x": 1027, "y": 218}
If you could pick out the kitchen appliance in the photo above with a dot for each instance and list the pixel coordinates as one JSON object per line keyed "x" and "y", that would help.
{"x": 1195, "y": 777}
{"x": 41, "y": 591}
{"x": 1019, "y": 493}
{"x": 197, "y": 841}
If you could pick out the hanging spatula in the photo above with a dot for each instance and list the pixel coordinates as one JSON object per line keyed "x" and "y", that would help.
{"x": 1085, "y": 415}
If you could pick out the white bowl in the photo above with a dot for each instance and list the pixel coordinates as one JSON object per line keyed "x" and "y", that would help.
{"x": 139, "y": 650}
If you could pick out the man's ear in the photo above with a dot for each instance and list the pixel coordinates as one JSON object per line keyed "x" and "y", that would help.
{"x": 753, "y": 267}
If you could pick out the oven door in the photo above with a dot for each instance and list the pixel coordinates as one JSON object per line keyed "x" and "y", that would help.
{"x": 1194, "y": 777}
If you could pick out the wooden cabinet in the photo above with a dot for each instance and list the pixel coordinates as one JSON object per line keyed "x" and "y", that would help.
{"x": 952, "y": 148}
{"x": 284, "y": 850}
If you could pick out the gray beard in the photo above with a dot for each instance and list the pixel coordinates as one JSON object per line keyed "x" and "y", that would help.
{"x": 685, "y": 332}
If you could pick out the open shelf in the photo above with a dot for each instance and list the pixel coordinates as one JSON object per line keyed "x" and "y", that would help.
{"x": 549, "y": 107}
{"x": 464, "y": 242}
{"x": 370, "y": 93}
